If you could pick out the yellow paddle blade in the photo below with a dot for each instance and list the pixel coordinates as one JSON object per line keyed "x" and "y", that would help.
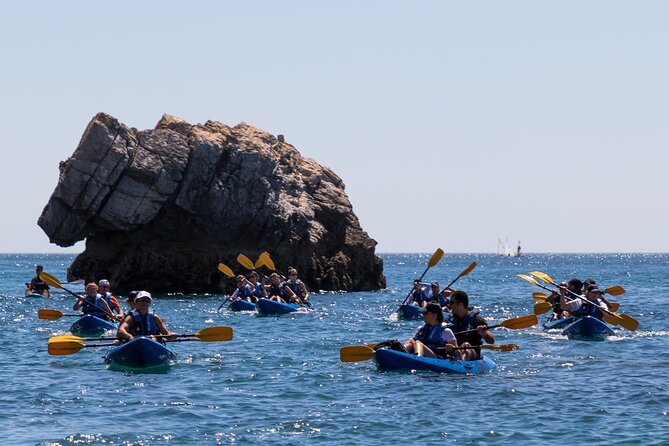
{"x": 355, "y": 353}
{"x": 245, "y": 262}
{"x": 628, "y": 322}
{"x": 532, "y": 280}
{"x": 469, "y": 269}
{"x": 543, "y": 276}
{"x": 615, "y": 290}
{"x": 260, "y": 262}
{"x": 612, "y": 319}
{"x": 613, "y": 306}
{"x": 542, "y": 307}
{"x": 214, "y": 334}
{"x": 539, "y": 297}
{"x": 225, "y": 269}
{"x": 50, "y": 280}
{"x": 438, "y": 254}
{"x": 267, "y": 261}
{"x": 65, "y": 338}
{"x": 62, "y": 348}
{"x": 501, "y": 347}
{"x": 520, "y": 322}
{"x": 50, "y": 315}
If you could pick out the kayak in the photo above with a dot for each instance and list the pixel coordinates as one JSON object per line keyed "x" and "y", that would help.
{"x": 35, "y": 295}
{"x": 242, "y": 305}
{"x": 89, "y": 325}
{"x": 559, "y": 323}
{"x": 409, "y": 311}
{"x": 587, "y": 328}
{"x": 267, "y": 306}
{"x": 387, "y": 359}
{"x": 141, "y": 353}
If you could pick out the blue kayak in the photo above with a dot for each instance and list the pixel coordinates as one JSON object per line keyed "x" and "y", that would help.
{"x": 140, "y": 354}
{"x": 587, "y": 328}
{"x": 242, "y": 305}
{"x": 267, "y": 306}
{"x": 409, "y": 311}
{"x": 559, "y": 323}
{"x": 38, "y": 295}
{"x": 387, "y": 359}
{"x": 89, "y": 325}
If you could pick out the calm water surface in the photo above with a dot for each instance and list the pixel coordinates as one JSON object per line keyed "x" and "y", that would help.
{"x": 280, "y": 381}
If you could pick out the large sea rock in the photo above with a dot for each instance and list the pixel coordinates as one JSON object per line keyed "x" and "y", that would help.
{"x": 160, "y": 208}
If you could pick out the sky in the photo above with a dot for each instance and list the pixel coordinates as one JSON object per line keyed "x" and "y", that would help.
{"x": 452, "y": 124}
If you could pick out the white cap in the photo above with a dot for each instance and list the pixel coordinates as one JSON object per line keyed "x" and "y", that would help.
{"x": 143, "y": 294}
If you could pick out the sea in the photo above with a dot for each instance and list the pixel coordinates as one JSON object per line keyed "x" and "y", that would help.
{"x": 280, "y": 379}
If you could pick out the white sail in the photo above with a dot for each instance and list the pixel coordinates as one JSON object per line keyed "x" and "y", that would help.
{"x": 500, "y": 247}
{"x": 507, "y": 249}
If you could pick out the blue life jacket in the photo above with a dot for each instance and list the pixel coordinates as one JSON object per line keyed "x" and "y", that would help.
{"x": 431, "y": 336}
{"x": 419, "y": 296}
{"x": 589, "y": 310}
{"x": 90, "y": 305}
{"x": 464, "y": 324}
{"x": 108, "y": 299}
{"x": 144, "y": 326}
{"x": 258, "y": 290}
{"x": 296, "y": 287}
{"x": 277, "y": 290}
{"x": 244, "y": 292}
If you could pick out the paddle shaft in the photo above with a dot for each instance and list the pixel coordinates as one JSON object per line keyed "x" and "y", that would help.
{"x": 59, "y": 285}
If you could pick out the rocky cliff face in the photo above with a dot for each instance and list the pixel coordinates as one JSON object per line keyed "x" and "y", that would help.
{"x": 160, "y": 208}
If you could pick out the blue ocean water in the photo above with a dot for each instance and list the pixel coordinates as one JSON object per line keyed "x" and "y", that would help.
{"x": 280, "y": 381}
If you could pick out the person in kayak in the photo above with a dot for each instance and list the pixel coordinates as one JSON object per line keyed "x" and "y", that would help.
{"x": 577, "y": 307}
{"x": 103, "y": 287}
{"x": 36, "y": 285}
{"x": 433, "y": 338}
{"x": 462, "y": 320}
{"x": 297, "y": 287}
{"x": 244, "y": 290}
{"x": 419, "y": 295}
{"x": 142, "y": 322}
{"x": 575, "y": 286}
{"x": 93, "y": 303}
{"x": 438, "y": 296}
{"x": 278, "y": 291}
{"x": 256, "y": 285}
{"x": 587, "y": 283}
{"x": 130, "y": 301}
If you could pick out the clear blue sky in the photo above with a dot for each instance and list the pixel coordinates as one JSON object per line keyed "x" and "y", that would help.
{"x": 451, "y": 123}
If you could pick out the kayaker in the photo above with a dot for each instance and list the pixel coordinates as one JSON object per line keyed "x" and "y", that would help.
{"x": 103, "y": 287}
{"x": 130, "y": 301}
{"x": 587, "y": 283}
{"x": 36, "y": 285}
{"x": 433, "y": 337}
{"x": 244, "y": 290}
{"x": 142, "y": 322}
{"x": 419, "y": 294}
{"x": 463, "y": 319}
{"x": 278, "y": 291}
{"x": 575, "y": 286}
{"x": 577, "y": 307}
{"x": 438, "y": 296}
{"x": 297, "y": 287}
{"x": 256, "y": 285}
{"x": 93, "y": 303}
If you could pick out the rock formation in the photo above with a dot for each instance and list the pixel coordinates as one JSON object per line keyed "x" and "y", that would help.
{"x": 160, "y": 208}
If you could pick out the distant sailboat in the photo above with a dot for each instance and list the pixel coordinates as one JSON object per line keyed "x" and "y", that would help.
{"x": 504, "y": 249}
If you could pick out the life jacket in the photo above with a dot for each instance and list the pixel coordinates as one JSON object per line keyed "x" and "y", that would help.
{"x": 108, "y": 299}
{"x": 419, "y": 296}
{"x": 431, "y": 336}
{"x": 463, "y": 324}
{"x": 297, "y": 289}
{"x": 277, "y": 290}
{"x": 38, "y": 285}
{"x": 587, "y": 309}
{"x": 244, "y": 292}
{"x": 90, "y": 305}
{"x": 258, "y": 290}
{"x": 144, "y": 326}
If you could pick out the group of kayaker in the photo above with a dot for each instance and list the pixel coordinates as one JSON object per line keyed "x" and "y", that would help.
{"x": 274, "y": 287}
{"x": 456, "y": 335}
{"x": 578, "y": 298}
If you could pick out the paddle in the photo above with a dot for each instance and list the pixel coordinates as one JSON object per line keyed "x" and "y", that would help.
{"x": 225, "y": 269}
{"x": 615, "y": 290}
{"x": 436, "y": 257}
{"x": 245, "y": 262}
{"x": 357, "y": 353}
{"x": 52, "y": 315}
{"x": 462, "y": 274}
{"x": 542, "y": 307}
{"x": 52, "y": 281}
{"x": 209, "y": 334}
{"x": 539, "y": 297}
{"x": 624, "y": 320}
